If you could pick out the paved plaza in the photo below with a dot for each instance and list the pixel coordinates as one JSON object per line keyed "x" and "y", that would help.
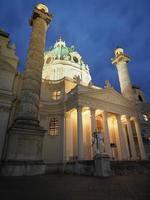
{"x": 73, "y": 187}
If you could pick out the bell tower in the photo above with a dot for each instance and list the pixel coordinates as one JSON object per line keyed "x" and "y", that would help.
{"x": 121, "y": 61}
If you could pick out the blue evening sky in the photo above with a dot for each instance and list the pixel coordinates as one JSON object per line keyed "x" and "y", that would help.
{"x": 95, "y": 27}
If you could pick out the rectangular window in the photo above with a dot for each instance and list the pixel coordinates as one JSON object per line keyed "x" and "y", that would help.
{"x": 54, "y": 127}
{"x": 56, "y": 95}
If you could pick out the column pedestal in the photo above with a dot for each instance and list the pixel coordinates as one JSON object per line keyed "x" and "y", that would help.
{"x": 24, "y": 152}
{"x": 102, "y": 165}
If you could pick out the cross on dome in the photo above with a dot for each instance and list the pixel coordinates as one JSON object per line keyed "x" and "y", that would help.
{"x": 60, "y": 43}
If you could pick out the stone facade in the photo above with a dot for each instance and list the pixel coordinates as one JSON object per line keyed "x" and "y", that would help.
{"x": 48, "y": 118}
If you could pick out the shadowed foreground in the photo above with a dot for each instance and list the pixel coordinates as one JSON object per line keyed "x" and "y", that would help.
{"x": 70, "y": 187}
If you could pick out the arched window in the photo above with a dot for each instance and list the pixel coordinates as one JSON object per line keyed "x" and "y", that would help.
{"x": 75, "y": 59}
{"x": 48, "y": 60}
{"x": 140, "y": 98}
{"x": 54, "y": 127}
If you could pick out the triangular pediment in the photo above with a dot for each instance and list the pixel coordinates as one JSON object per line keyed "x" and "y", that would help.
{"x": 109, "y": 95}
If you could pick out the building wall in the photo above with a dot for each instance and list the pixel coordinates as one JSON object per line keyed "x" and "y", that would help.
{"x": 8, "y": 65}
{"x": 51, "y": 144}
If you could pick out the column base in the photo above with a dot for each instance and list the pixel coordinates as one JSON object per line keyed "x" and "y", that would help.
{"x": 23, "y": 150}
{"x": 26, "y": 122}
{"x": 22, "y": 168}
{"x": 102, "y": 165}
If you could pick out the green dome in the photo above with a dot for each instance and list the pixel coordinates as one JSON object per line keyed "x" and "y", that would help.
{"x": 60, "y": 50}
{"x": 62, "y": 61}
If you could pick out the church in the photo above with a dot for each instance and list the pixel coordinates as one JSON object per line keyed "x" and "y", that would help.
{"x": 49, "y": 112}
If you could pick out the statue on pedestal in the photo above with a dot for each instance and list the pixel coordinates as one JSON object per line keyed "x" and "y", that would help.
{"x": 97, "y": 142}
{"x": 101, "y": 159}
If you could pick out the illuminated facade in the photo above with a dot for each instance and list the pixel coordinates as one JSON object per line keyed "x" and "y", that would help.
{"x": 69, "y": 107}
{"x": 78, "y": 107}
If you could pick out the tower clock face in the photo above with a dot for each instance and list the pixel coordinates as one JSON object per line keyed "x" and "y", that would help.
{"x": 48, "y": 60}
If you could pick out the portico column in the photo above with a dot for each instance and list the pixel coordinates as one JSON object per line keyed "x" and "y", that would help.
{"x": 80, "y": 134}
{"x": 69, "y": 136}
{"x": 93, "y": 127}
{"x": 131, "y": 139}
{"x": 63, "y": 138}
{"x": 126, "y": 141}
{"x": 139, "y": 138}
{"x": 106, "y": 135}
{"x": 93, "y": 120}
{"x": 123, "y": 148}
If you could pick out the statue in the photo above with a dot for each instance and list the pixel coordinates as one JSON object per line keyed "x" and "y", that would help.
{"x": 97, "y": 142}
{"x": 107, "y": 84}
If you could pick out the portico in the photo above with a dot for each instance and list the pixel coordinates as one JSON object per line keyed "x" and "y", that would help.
{"x": 120, "y": 132}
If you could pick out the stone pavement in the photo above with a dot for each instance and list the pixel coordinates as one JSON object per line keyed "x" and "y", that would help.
{"x": 72, "y": 187}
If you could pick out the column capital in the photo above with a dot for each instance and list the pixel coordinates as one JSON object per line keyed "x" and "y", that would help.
{"x": 41, "y": 11}
{"x": 128, "y": 117}
{"x": 104, "y": 113}
{"x": 79, "y": 108}
{"x": 63, "y": 114}
{"x": 120, "y": 56}
{"x": 118, "y": 116}
{"x": 92, "y": 109}
{"x": 135, "y": 119}
{"x": 67, "y": 114}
